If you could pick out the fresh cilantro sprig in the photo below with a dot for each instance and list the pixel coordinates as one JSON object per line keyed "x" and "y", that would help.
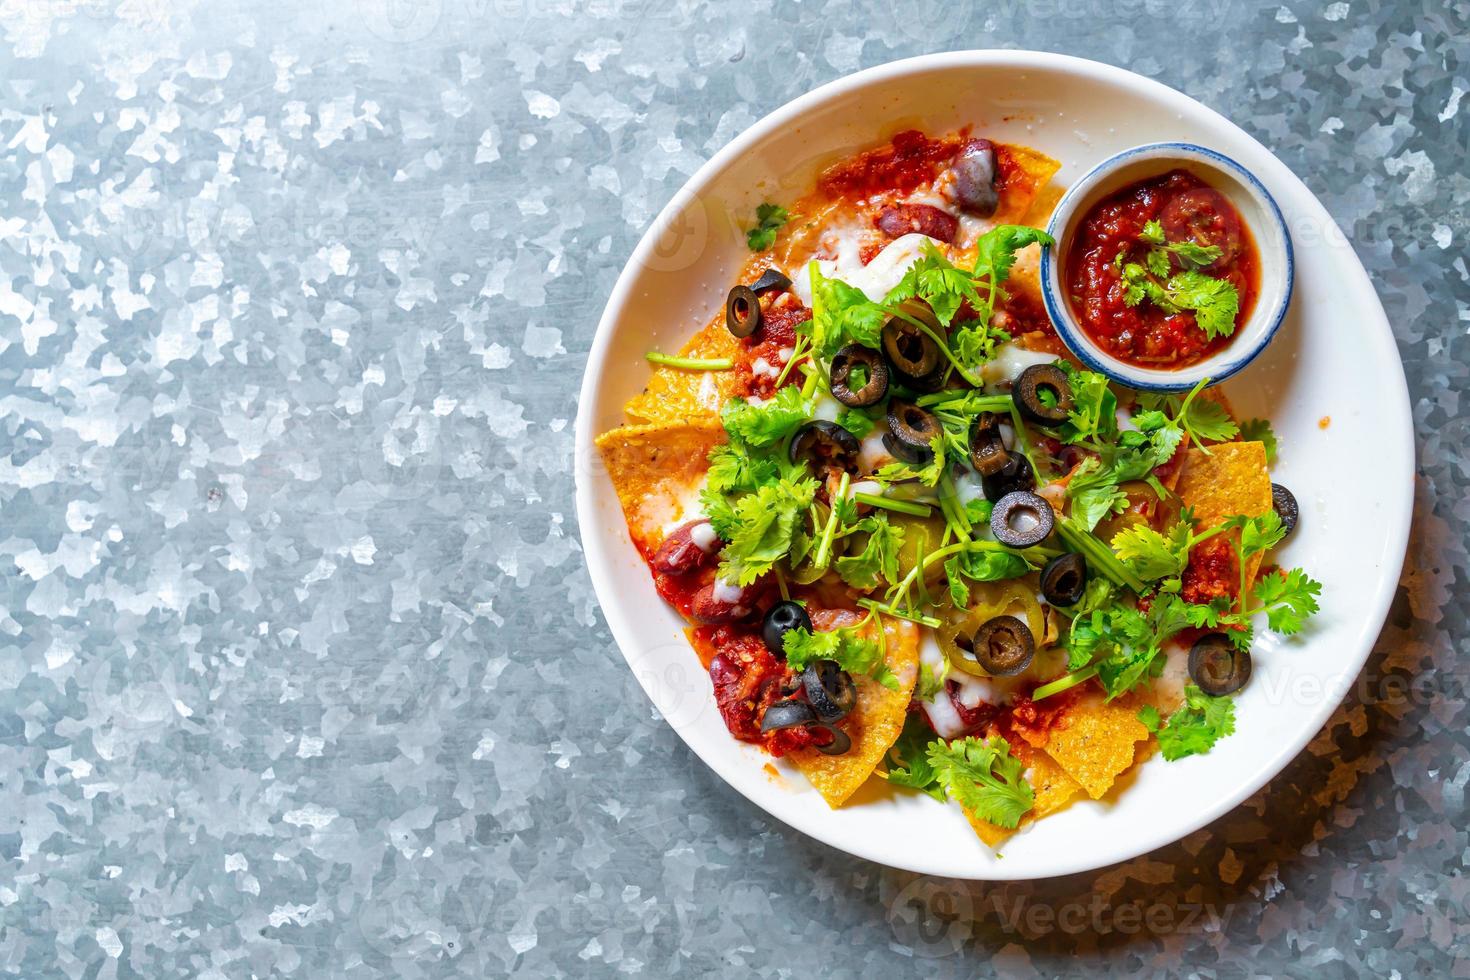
{"x": 768, "y": 218}
{"x": 850, "y": 648}
{"x": 1214, "y": 302}
{"x": 1194, "y": 728}
{"x": 1259, "y": 430}
{"x": 1188, "y": 252}
{"x": 911, "y": 766}
{"x": 877, "y": 562}
{"x": 983, "y": 777}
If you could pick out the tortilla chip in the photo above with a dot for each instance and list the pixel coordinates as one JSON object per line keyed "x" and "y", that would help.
{"x": 1230, "y": 479}
{"x": 1094, "y": 742}
{"x": 676, "y": 394}
{"x": 1054, "y": 789}
{"x": 1026, "y": 172}
{"x": 656, "y": 470}
{"x": 873, "y": 725}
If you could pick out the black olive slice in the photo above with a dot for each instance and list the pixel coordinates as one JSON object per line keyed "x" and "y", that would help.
{"x": 780, "y": 618}
{"x": 823, "y": 445}
{"x": 1064, "y": 579}
{"x": 910, "y": 431}
{"x": 829, "y": 690}
{"x": 1217, "y": 666}
{"x": 742, "y": 311}
{"x": 1283, "y": 501}
{"x": 987, "y": 450}
{"x": 1003, "y": 646}
{"x": 913, "y": 353}
{"x": 863, "y": 366}
{"x": 1021, "y": 519}
{"x": 770, "y": 279}
{"x": 1027, "y": 391}
{"x": 840, "y": 743}
{"x": 1013, "y": 476}
{"x": 787, "y": 714}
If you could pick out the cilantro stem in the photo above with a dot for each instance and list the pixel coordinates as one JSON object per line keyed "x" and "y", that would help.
{"x": 912, "y": 617}
{"x": 900, "y": 506}
{"x": 954, "y": 512}
{"x": 1183, "y": 415}
{"x": 690, "y": 363}
{"x": 797, "y": 353}
{"x": 1063, "y": 683}
{"x": 1099, "y": 555}
{"x": 824, "y": 548}
{"x": 809, "y": 386}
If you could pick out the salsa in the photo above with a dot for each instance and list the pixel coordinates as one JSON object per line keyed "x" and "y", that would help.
{"x": 1150, "y": 269}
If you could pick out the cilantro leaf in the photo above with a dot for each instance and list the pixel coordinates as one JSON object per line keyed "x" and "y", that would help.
{"x": 1259, "y": 430}
{"x": 984, "y": 778}
{"x": 914, "y": 769}
{"x": 769, "y": 422}
{"x": 1193, "y": 729}
{"x": 841, "y": 314}
{"x": 849, "y": 648}
{"x": 1288, "y": 599}
{"x": 856, "y": 421}
{"x": 995, "y": 251}
{"x": 974, "y": 342}
{"x": 761, "y": 526}
{"x": 878, "y": 561}
{"x": 1094, "y": 415}
{"x": 1152, "y": 555}
{"x": 768, "y": 218}
{"x": 1214, "y": 302}
{"x": 935, "y": 280}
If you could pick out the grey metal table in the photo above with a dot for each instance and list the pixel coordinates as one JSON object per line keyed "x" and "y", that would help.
{"x": 300, "y": 671}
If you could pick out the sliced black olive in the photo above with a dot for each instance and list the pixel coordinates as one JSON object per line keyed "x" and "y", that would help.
{"x": 1013, "y": 476}
{"x": 829, "y": 690}
{"x": 1064, "y": 579}
{"x": 788, "y": 714}
{"x": 1003, "y": 646}
{"x": 974, "y": 178}
{"x": 863, "y": 366}
{"x": 1284, "y": 503}
{"x": 840, "y": 743}
{"x": 910, "y": 431}
{"x": 913, "y": 353}
{"x": 1217, "y": 666}
{"x": 742, "y": 311}
{"x": 770, "y": 279}
{"x": 987, "y": 450}
{"x": 823, "y": 444}
{"x": 781, "y": 617}
{"x": 1027, "y": 391}
{"x": 1021, "y": 519}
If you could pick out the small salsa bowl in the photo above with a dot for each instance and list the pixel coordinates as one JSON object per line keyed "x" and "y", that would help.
{"x": 1258, "y": 211}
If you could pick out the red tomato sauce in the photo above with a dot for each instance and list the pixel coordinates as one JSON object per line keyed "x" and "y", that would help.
{"x": 909, "y": 160}
{"x": 777, "y": 333}
{"x": 1189, "y": 210}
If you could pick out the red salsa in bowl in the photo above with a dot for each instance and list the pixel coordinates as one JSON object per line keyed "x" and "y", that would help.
{"x": 1160, "y": 273}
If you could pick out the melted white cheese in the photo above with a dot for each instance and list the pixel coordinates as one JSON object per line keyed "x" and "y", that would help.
{"x": 726, "y": 592}
{"x": 878, "y": 277}
{"x": 704, "y": 537}
{"x": 1010, "y": 361}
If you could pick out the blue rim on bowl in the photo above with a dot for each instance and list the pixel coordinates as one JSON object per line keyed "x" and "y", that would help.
{"x": 1261, "y": 215}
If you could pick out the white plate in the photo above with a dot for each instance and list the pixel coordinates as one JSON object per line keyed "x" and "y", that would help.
{"x": 1334, "y": 358}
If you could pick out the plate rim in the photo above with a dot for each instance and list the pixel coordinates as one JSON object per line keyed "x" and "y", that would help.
{"x": 1377, "y": 331}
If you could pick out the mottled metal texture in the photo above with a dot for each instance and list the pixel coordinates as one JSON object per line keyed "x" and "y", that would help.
{"x": 300, "y": 670}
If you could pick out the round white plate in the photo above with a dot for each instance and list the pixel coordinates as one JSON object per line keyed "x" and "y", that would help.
{"x": 1331, "y": 382}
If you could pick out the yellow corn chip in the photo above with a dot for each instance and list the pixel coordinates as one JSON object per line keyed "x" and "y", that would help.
{"x": 1230, "y": 479}
{"x": 675, "y": 394}
{"x": 1030, "y": 173}
{"x": 1093, "y": 743}
{"x": 873, "y": 725}
{"x": 656, "y": 470}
